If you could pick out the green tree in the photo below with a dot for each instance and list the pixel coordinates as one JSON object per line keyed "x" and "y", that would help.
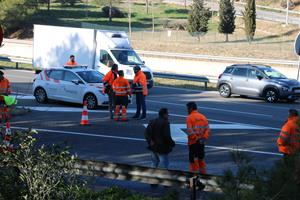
{"x": 198, "y": 19}
{"x": 70, "y": 2}
{"x": 14, "y": 13}
{"x": 107, "y": 3}
{"x": 227, "y": 18}
{"x": 249, "y": 16}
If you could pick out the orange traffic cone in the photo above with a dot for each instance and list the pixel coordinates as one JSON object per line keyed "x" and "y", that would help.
{"x": 84, "y": 115}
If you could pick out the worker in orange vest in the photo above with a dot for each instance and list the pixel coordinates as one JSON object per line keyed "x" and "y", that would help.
{"x": 289, "y": 139}
{"x": 198, "y": 132}
{"x": 139, "y": 87}
{"x": 4, "y": 91}
{"x": 71, "y": 62}
{"x": 4, "y": 85}
{"x": 121, "y": 88}
{"x": 108, "y": 81}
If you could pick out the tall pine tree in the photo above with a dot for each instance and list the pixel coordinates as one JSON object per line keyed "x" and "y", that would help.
{"x": 198, "y": 19}
{"x": 227, "y": 18}
{"x": 249, "y": 16}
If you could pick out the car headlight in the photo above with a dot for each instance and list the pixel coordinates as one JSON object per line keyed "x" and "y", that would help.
{"x": 285, "y": 88}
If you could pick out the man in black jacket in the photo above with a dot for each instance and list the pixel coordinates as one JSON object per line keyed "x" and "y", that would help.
{"x": 158, "y": 136}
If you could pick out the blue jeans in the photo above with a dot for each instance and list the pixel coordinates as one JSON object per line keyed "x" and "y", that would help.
{"x": 157, "y": 158}
{"x": 140, "y": 103}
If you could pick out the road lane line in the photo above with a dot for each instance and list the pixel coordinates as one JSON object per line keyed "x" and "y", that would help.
{"x": 230, "y": 122}
{"x": 143, "y": 140}
{"x": 215, "y": 109}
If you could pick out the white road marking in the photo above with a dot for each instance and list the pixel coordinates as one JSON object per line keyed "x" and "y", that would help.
{"x": 143, "y": 140}
{"x": 72, "y": 109}
{"x": 215, "y": 109}
{"x": 179, "y": 135}
{"x": 23, "y": 97}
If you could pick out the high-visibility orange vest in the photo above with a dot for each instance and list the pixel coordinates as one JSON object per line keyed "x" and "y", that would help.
{"x": 289, "y": 139}
{"x": 109, "y": 78}
{"x": 121, "y": 87}
{"x": 140, "y": 83}
{"x": 4, "y": 86}
{"x": 70, "y": 63}
{"x": 197, "y": 127}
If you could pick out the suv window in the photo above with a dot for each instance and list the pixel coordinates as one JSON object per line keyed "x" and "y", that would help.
{"x": 240, "y": 71}
{"x": 56, "y": 74}
{"x": 228, "y": 70}
{"x": 253, "y": 73}
{"x": 106, "y": 59}
{"x": 69, "y": 76}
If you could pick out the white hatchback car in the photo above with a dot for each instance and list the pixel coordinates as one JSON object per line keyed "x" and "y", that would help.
{"x": 76, "y": 85}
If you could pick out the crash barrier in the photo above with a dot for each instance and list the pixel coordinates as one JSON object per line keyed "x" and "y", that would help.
{"x": 201, "y": 79}
{"x": 217, "y": 58}
{"x": 16, "y": 60}
{"x": 148, "y": 175}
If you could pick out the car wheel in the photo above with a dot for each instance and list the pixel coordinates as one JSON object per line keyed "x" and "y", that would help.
{"x": 271, "y": 95}
{"x": 91, "y": 101}
{"x": 40, "y": 95}
{"x": 225, "y": 90}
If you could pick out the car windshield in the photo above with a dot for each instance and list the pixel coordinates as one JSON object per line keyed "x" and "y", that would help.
{"x": 91, "y": 76}
{"x": 273, "y": 74}
{"x": 127, "y": 57}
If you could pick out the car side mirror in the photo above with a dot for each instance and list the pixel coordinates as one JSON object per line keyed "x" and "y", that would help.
{"x": 77, "y": 82}
{"x": 259, "y": 77}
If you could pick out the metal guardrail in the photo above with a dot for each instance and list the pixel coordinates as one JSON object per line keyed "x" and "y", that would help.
{"x": 16, "y": 60}
{"x": 217, "y": 58}
{"x": 202, "y": 79}
{"x": 148, "y": 175}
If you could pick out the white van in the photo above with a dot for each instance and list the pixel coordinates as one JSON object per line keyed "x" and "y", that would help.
{"x": 98, "y": 49}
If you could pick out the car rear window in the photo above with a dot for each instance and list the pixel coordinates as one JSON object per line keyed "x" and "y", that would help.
{"x": 91, "y": 76}
{"x": 228, "y": 70}
{"x": 56, "y": 74}
{"x": 240, "y": 71}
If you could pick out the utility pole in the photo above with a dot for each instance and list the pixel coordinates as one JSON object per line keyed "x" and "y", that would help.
{"x": 287, "y": 13}
{"x": 152, "y": 17}
{"x": 129, "y": 17}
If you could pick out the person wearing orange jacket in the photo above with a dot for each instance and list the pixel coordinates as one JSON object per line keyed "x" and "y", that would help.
{"x": 4, "y": 85}
{"x": 108, "y": 81}
{"x": 71, "y": 62}
{"x": 198, "y": 132}
{"x": 139, "y": 87}
{"x": 289, "y": 139}
{"x": 121, "y": 88}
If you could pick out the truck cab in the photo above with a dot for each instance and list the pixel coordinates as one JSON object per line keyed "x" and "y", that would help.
{"x": 113, "y": 47}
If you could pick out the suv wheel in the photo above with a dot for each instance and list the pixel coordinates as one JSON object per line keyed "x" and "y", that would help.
{"x": 40, "y": 95}
{"x": 91, "y": 101}
{"x": 271, "y": 95}
{"x": 225, "y": 90}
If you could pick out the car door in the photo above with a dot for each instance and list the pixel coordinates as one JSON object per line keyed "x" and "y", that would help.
{"x": 73, "y": 87}
{"x": 54, "y": 84}
{"x": 254, "y": 82}
{"x": 238, "y": 80}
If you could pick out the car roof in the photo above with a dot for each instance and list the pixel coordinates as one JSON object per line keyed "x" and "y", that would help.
{"x": 250, "y": 65}
{"x": 72, "y": 68}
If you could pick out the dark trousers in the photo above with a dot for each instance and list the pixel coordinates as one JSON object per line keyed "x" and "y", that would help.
{"x": 140, "y": 104}
{"x": 111, "y": 103}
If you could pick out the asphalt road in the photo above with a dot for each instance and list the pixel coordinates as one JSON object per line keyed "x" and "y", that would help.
{"x": 250, "y": 125}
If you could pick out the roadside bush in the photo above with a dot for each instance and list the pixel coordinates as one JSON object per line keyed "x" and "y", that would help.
{"x": 176, "y": 24}
{"x": 282, "y": 181}
{"x": 14, "y": 13}
{"x": 115, "y": 12}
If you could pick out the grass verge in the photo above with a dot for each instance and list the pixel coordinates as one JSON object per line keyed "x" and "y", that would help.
{"x": 184, "y": 84}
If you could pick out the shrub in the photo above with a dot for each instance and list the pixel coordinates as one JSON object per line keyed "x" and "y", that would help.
{"x": 115, "y": 12}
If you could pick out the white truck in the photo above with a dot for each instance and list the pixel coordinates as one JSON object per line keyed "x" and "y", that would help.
{"x": 97, "y": 49}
